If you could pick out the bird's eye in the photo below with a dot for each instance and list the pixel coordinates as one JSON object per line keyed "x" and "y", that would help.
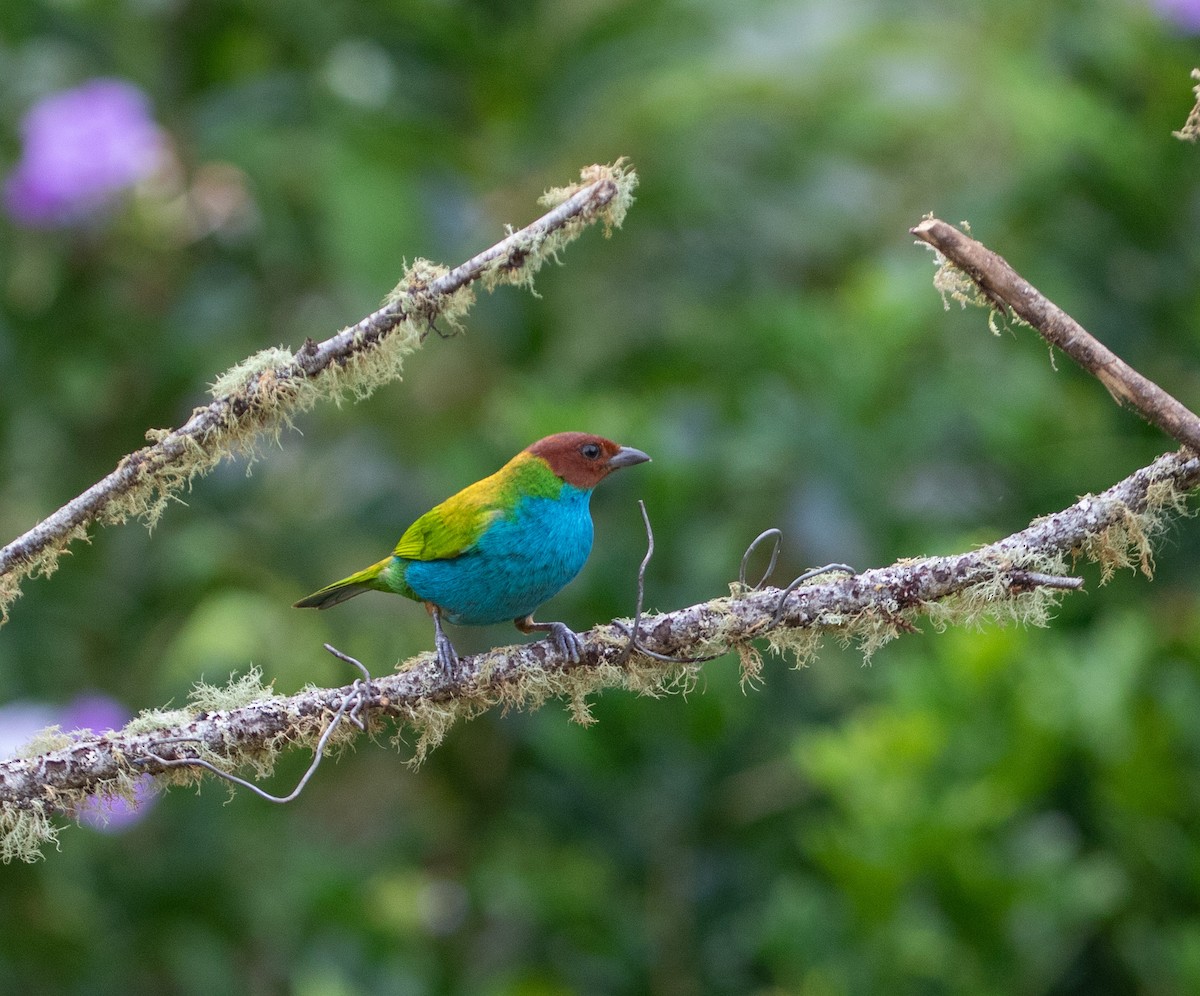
{"x": 590, "y": 451}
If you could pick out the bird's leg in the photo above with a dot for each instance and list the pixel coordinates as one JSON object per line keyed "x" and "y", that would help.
{"x": 566, "y": 641}
{"x": 446, "y": 654}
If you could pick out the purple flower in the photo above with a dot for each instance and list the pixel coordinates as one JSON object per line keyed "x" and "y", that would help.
{"x": 19, "y": 721}
{"x": 1184, "y": 14}
{"x": 96, "y": 713}
{"x": 80, "y": 148}
{"x": 111, "y": 813}
{"x": 100, "y": 714}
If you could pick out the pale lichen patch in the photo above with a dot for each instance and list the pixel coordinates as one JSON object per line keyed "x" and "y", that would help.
{"x": 239, "y": 691}
{"x": 1190, "y": 131}
{"x": 24, "y": 832}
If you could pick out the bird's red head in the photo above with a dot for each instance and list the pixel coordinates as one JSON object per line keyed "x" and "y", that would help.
{"x": 584, "y": 460}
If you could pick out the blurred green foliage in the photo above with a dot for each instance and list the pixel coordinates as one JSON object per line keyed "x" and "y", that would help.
{"x": 983, "y": 812}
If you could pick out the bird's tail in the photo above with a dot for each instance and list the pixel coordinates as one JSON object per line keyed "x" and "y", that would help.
{"x": 339, "y": 591}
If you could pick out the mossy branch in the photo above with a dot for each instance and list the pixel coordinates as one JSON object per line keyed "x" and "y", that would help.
{"x": 1019, "y": 578}
{"x": 1190, "y": 131}
{"x": 261, "y": 395}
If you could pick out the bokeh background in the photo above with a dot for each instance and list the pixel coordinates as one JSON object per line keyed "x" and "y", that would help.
{"x": 975, "y": 812}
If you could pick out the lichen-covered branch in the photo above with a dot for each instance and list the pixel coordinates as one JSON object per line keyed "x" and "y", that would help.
{"x": 258, "y": 397}
{"x": 1019, "y": 578}
{"x": 1190, "y": 131}
{"x": 972, "y": 274}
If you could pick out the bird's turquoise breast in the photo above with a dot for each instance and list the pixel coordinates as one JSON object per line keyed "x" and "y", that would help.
{"x": 523, "y": 559}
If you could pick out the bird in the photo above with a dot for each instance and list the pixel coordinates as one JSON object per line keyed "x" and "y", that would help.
{"x": 501, "y": 547}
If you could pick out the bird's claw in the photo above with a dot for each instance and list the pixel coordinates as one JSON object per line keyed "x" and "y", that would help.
{"x": 566, "y": 641}
{"x": 447, "y": 656}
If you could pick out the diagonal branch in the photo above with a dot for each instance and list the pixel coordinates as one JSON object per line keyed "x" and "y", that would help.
{"x": 1003, "y": 288}
{"x": 261, "y": 395}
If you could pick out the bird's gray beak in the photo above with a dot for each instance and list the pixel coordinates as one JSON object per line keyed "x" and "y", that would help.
{"x": 627, "y": 456}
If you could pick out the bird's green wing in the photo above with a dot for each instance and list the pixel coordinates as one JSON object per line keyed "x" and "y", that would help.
{"x": 452, "y": 528}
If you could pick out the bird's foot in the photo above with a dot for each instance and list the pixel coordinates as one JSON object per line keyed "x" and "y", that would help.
{"x": 566, "y": 641}
{"x": 447, "y": 656}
